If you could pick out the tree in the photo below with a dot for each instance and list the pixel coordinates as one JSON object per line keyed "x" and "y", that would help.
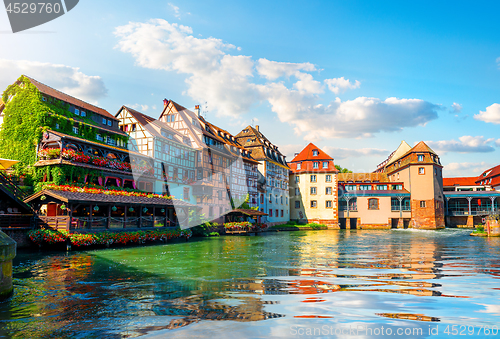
{"x": 342, "y": 170}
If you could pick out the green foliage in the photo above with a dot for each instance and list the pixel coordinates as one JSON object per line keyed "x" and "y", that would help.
{"x": 342, "y": 170}
{"x": 63, "y": 174}
{"x": 213, "y": 234}
{"x": 479, "y": 229}
{"x": 245, "y": 205}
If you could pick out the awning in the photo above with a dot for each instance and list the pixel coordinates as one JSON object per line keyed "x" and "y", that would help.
{"x": 6, "y": 163}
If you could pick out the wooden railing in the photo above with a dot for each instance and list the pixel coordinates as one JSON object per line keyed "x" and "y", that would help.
{"x": 16, "y": 220}
{"x": 101, "y": 223}
{"x": 12, "y": 187}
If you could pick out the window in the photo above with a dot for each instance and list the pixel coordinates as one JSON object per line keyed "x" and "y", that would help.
{"x": 270, "y": 198}
{"x": 313, "y": 178}
{"x": 397, "y": 187}
{"x": 281, "y": 200}
{"x": 220, "y": 177}
{"x": 313, "y": 190}
{"x": 382, "y": 187}
{"x": 57, "y": 126}
{"x": 373, "y": 204}
{"x": 186, "y": 193}
{"x": 328, "y": 204}
{"x": 110, "y": 123}
{"x": 328, "y": 178}
{"x": 297, "y": 191}
{"x": 325, "y": 164}
{"x": 297, "y": 179}
{"x": 420, "y": 157}
{"x": 132, "y": 127}
{"x": 104, "y": 121}
{"x": 83, "y": 114}
{"x": 282, "y": 213}
{"x": 314, "y": 203}
{"x": 75, "y": 129}
{"x": 44, "y": 99}
{"x": 315, "y": 153}
{"x": 262, "y": 198}
{"x": 421, "y": 170}
{"x": 299, "y": 165}
{"x": 211, "y": 211}
{"x": 315, "y": 164}
{"x": 422, "y": 204}
{"x": 277, "y": 215}
{"x": 270, "y": 213}
{"x": 77, "y": 111}
{"x": 365, "y": 187}
{"x": 350, "y": 187}
{"x": 328, "y": 191}
{"x": 297, "y": 204}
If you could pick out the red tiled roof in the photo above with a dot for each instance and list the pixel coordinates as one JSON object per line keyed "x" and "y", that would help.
{"x": 69, "y": 99}
{"x": 307, "y": 154}
{"x": 491, "y": 173}
{"x": 460, "y": 181}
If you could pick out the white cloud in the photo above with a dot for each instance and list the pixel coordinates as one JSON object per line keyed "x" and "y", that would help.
{"x": 344, "y": 153}
{"x": 337, "y": 85}
{"x": 456, "y": 108}
{"x": 139, "y": 107}
{"x": 175, "y": 9}
{"x": 273, "y": 70}
{"x": 465, "y": 144}
{"x": 360, "y": 117}
{"x": 227, "y": 83}
{"x": 64, "y": 78}
{"x": 497, "y": 142}
{"x": 492, "y": 114}
{"x": 469, "y": 169}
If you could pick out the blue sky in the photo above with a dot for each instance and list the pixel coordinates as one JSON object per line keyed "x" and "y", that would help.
{"x": 355, "y": 78}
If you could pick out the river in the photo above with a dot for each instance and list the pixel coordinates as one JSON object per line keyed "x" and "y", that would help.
{"x": 345, "y": 284}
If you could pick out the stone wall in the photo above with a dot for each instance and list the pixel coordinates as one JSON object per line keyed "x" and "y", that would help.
{"x": 20, "y": 236}
{"x": 7, "y": 253}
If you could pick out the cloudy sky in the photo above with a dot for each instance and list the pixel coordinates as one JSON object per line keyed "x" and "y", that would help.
{"x": 355, "y": 78}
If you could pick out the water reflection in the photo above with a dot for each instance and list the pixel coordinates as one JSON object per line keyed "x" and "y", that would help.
{"x": 322, "y": 276}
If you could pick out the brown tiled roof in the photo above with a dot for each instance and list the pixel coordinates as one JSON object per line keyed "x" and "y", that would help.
{"x": 421, "y": 147}
{"x": 146, "y": 121}
{"x": 69, "y": 99}
{"x": 362, "y": 177}
{"x": 79, "y": 197}
{"x": 460, "y": 181}
{"x": 251, "y": 213}
{"x": 257, "y": 144}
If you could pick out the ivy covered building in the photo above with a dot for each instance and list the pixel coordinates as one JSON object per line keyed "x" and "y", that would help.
{"x": 66, "y": 140}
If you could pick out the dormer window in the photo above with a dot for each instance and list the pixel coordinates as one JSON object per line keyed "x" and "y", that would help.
{"x": 315, "y": 164}
{"x": 77, "y": 111}
{"x": 420, "y": 157}
{"x": 315, "y": 153}
{"x": 110, "y": 123}
{"x": 104, "y": 121}
{"x": 299, "y": 165}
{"x": 83, "y": 113}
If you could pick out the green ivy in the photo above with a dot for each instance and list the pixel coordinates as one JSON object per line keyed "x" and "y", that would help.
{"x": 63, "y": 174}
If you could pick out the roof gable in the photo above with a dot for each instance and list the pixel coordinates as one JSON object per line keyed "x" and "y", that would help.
{"x": 307, "y": 154}
{"x": 402, "y": 149}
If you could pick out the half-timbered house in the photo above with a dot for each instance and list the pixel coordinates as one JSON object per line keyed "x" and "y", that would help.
{"x": 174, "y": 158}
{"x": 226, "y": 172}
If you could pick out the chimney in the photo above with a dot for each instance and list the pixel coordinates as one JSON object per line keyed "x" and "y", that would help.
{"x": 197, "y": 110}
{"x": 257, "y": 128}
{"x": 165, "y": 102}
